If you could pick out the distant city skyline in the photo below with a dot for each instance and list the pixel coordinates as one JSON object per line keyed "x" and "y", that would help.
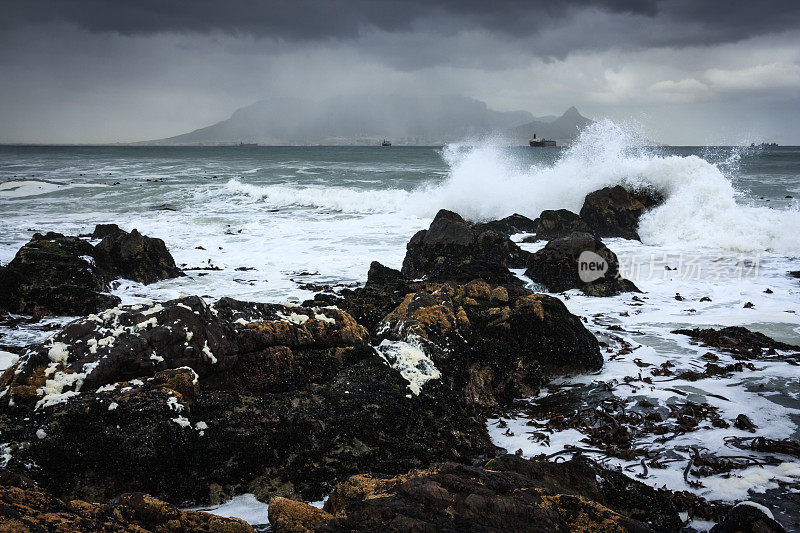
{"x": 684, "y": 72}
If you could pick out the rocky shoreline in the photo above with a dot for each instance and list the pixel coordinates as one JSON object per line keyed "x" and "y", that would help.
{"x": 377, "y": 396}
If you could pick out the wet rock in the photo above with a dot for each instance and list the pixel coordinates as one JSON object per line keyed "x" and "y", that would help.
{"x": 55, "y": 275}
{"x": 510, "y": 225}
{"x": 452, "y": 244}
{"x": 553, "y": 224}
{"x": 743, "y": 422}
{"x": 748, "y": 517}
{"x": 135, "y": 256}
{"x": 26, "y": 507}
{"x": 615, "y": 211}
{"x": 738, "y": 340}
{"x": 188, "y": 401}
{"x": 493, "y": 343}
{"x": 506, "y": 494}
{"x": 557, "y": 266}
{"x": 289, "y": 516}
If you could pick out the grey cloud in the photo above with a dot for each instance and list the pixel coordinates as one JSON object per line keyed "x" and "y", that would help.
{"x": 695, "y": 22}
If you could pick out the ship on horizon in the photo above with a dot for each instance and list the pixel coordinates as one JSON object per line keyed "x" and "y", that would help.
{"x": 247, "y": 144}
{"x": 541, "y": 142}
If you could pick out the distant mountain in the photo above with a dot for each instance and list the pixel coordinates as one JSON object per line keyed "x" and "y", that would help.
{"x": 356, "y": 120}
{"x": 562, "y": 129}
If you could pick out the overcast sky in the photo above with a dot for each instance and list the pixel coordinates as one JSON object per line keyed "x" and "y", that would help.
{"x": 686, "y": 71}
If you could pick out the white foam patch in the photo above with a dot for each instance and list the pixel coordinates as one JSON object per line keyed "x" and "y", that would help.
{"x": 244, "y": 506}
{"x": 410, "y": 360}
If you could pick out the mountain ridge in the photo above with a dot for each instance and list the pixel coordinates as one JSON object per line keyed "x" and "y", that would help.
{"x": 365, "y": 120}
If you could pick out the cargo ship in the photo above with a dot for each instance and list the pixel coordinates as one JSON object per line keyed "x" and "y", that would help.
{"x": 541, "y": 142}
{"x": 386, "y": 142}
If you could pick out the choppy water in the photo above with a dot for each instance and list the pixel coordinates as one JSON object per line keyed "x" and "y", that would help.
{"x": 322, "y": 214}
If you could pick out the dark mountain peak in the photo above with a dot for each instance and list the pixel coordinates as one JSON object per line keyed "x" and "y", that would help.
{"x": 572, "y": 113}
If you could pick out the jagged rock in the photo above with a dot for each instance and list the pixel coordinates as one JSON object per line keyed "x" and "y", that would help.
{"x": 452, "y": 246}
{"x": 101, "y": 231}
{"x": 615, "y": 211}
{"x": 26, "y": 507}
{"x": 553, "y": 224}
{"x": 54, "y": 275}
{"x": 748, "y": 517}
{"x": 134, "y": 256}
{"x": 738, "y": 340}
{"x": 557, "y": 266}
{"x": 289, "y": 516}
{"x": 506, "y": 494}
{"x": 493, "y": 343}
{"x": 510, "y": 225}
{"x": 188, "y": 401}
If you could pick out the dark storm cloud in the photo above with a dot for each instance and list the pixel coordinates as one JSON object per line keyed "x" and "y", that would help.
{"x": 300, "y": 20}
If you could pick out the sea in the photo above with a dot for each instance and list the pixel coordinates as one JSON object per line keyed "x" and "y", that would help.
{"x": 277, "y": 224}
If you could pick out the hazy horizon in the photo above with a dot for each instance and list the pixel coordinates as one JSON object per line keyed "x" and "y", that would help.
{"x": 685, "y": 73}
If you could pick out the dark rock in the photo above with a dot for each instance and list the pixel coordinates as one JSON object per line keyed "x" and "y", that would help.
{"x": 553, "y": 224}
{"x": 26, "y": 507}
{"x": 743, "y": 422}
{"x": 54, "y": 275}
{"x": 746, "y": 518}
{"x": 556, "y": 266}
{"x": 615, "y": 211}
{"x": 738, "y": 340}
{"x": 506, "y": 494}
{"x": 384, "y": 276}
{"x": 188, "y": 401}
{"x": 452, "y": 244}
{"x": 493, "y": 343}
{"x": 510, "y": 225}
{"x": 748, "y": 305}
{"x": 101, "y": 231}
{"x": 135, "y": 256}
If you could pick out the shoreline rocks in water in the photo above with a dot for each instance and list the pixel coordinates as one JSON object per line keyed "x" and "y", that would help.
{"x": 553, "y": 224}
{"x": 452, "y": 249}
{"x": 739, "y": 341}
{"x": 558, "y": 266}
{"x": 615, "y": 211}
{"x": 54, "y": 274}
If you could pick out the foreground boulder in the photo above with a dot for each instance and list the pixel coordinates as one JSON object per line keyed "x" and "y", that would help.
{"x": 133, "y": 256}
{"x": 493, "y": 343}
{"x": 506, "y": 494}
{"x": 615, "y": 211}
{"x": 195, "y": 402}
{"x": 579, "y": 261}
{"x": 454, "y": 249}
{"x": 54, "y": 274}
{"x": 26, "y": 507}
{"x": 553, "y": 224}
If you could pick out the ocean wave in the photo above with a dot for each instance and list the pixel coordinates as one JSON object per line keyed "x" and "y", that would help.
{"x": 701, "y": 208}
{"x": 343, "y": 199}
